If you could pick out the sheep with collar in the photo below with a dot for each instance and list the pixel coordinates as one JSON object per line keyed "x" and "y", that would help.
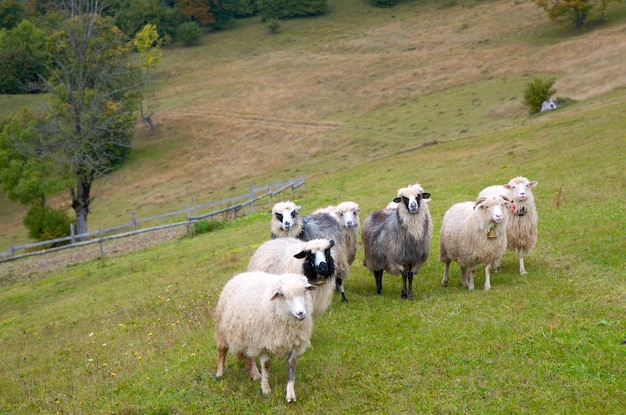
{"x": 314, "y": 259}
{"x": 260, "y": 314}
{"x": 398, "y": 240}
{"x": 522, "y": 226}
{"x": 473, "y": 233}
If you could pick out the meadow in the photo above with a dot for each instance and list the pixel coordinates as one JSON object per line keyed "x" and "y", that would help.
{"x": 367, "y": 103}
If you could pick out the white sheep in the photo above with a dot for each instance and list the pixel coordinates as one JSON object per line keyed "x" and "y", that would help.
{"x": 398, "y": 240}
{"x": 287, "y": 222}
{"x": 259, "y": 314}
{"x": 522, "y": 226}
{"x": 347, "y": 214}
{"x": 314, "y": 259}
{"x": 473, "y": 233}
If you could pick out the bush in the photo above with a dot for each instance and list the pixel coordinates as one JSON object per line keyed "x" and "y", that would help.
{"x": 281, "y": 9}
{"x": 189, "y": 33}
{"x": 384, "y": 3}
{"x": 44, "y": 223}
{"x": 536, "y": 92}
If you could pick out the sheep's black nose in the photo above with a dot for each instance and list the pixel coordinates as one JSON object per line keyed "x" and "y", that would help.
{"x": 321, "y": 267}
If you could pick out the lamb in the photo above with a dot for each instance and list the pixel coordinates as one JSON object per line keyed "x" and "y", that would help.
{"x": 398, "y": 240}
{"x": 474, "y": 233}
{"x": 522, "y": 226}
{"x": 287, "y": 222}
{"x": 259, "y": 314}
{"x": 314, "y": 259}
{"x": 347, "y": 214}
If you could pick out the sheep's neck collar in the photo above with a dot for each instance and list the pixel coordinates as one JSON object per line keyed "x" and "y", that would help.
{"x": 521, "y": 211}
{"x": 492, "y": 234}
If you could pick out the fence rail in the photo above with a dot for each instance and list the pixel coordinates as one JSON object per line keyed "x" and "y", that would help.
{"x": 229, "y": 207}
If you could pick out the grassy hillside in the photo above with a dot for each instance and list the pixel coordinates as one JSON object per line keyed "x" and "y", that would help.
{"x": 134, "y": 335}
{"x": 352, "y": 86}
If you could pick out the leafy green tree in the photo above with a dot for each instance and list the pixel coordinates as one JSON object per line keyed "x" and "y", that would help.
{"x": 11, "y": 13}
{"x": 576, "y": 12}
{"x": 94, "y": 87}
{"x": 148, "y": 44}
{"x": 22, "y": 59}
{"x": 27, "y": 171}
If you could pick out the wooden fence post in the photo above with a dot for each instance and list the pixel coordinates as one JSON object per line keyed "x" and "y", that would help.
{"x": 252, "y": 198}
{"x": 11, "y": 250}
{"x": 101, "y": 249}
{"x": 133, "y": 221}
{"x": 72, "y": 234}
{"x": 188, "y": 219}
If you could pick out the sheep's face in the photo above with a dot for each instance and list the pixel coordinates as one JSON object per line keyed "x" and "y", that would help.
{"x": 412, "y": 201}
{"x": 294, "y": 299}
{"x": 285, "y": 214}
{"x": 521, "y": 188}
{"x": 318, "y": 260}
{"x": 348, "y": 217}
{"x": 492, "y": 208}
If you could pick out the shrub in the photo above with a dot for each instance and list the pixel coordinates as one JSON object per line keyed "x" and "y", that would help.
{"x": 383, "y": 3}
{"x": 44, "y": 223}
{"x": 281, "y": 9}
{"x": 189, "y": 33}
{"x": 537, "y": 91}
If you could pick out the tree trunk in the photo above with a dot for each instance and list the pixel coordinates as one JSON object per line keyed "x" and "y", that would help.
{"x": 80, "y": 203}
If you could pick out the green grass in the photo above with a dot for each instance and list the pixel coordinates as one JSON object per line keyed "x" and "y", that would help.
{"x": 134, "y": 334}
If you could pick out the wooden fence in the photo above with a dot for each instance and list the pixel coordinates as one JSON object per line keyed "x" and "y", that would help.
{"x": 191, "y": 213}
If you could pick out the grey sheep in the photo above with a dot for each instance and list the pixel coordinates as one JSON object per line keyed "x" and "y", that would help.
{"x": 398, "y": 240}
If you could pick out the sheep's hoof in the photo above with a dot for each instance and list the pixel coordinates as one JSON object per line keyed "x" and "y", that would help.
{"x": 343, "y": 298}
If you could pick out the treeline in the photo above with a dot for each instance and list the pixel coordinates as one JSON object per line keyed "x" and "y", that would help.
{"x": 24, "y": 25}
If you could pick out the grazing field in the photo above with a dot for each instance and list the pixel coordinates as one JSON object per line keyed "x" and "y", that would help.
{"x": 426, "y": 94}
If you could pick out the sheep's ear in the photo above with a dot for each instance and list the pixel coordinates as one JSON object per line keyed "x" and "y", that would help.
{"x": 397, "y": 200}
{"x": 298, "y": 208}
{"x": 270, "y": 212}
{"x": 507, "y": 202}
{"x": 479, "y": 201}
{"x": 426, "y": 195}
{"x": 332, "y": 243}
{"x": 311, "y": 287}
{"x": 276, "y": 296}
{"x": 300, "y": 255}
{"x": 533, "y": 183}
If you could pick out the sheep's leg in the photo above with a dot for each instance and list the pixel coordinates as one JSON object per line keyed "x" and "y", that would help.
{"x": 464, "y": 276}
{"x": 265, "y": 371}
{"x": 407, "y": 276}
{"x": 221, "y": 358}
{"x": 446, "y": 270}
{"x": 487, "y": 277}
{"x": 472, "y": 271}
{"x": 520, "y": 255}
{"x": 291, "y": 377}
{"x": 378, "y": 277}
{"x": 252, "y": 369}
{"x": 339, "y": 287}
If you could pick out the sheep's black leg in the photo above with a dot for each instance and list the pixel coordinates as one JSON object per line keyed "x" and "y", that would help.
{"x": 407, "y": 276}
{"x": 403, "y": 294}
{"x": 410, "y": 277}
{"x": 339, "y": 288}
{"x": 378, "y": 276}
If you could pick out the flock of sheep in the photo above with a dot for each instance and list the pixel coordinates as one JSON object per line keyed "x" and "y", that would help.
{"x": 270, "y": 308}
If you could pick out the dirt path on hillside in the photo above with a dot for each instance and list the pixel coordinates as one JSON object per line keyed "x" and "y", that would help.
{"x": 33, "y": 266}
